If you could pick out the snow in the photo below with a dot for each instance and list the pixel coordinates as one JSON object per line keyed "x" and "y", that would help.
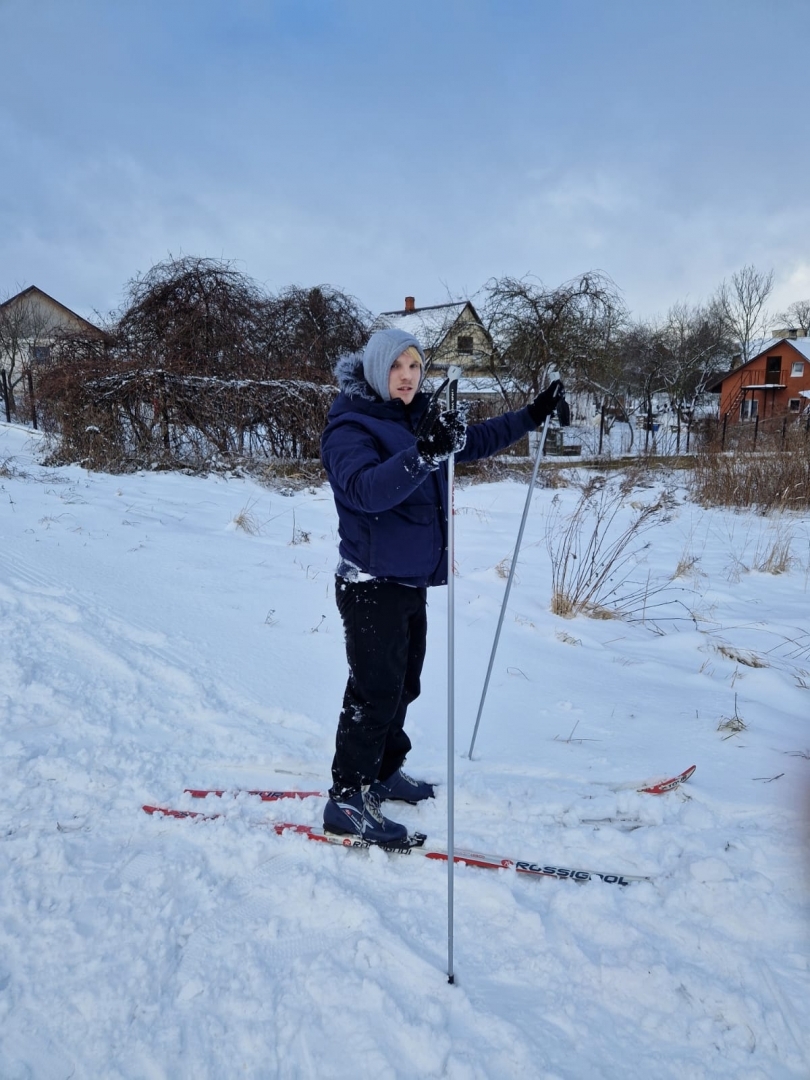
{"x": 800, "y": 344}
{"x": 428, "y": 325}
{"x": 162, "y": 631}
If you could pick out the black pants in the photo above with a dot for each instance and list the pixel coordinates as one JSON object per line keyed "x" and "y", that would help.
{"x": 386, "y": 630}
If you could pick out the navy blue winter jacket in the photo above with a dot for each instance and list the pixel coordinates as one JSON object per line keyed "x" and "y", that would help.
{"x": 392, "y": 508}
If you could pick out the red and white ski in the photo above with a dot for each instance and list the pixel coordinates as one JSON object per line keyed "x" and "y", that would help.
{"x": 658, "y": 787}
{"x": 415, "y": 845}
{"x": 265, "y": 796}
{"x": 661, "y": 787}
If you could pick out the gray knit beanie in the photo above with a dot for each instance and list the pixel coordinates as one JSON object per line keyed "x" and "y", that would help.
{"x": 382, "y": 349}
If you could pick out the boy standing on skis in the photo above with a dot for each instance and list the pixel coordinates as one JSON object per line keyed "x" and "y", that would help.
{"x": 382, "y": 456}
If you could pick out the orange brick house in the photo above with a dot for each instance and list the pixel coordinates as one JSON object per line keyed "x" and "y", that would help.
{"x": 775, "y": 382}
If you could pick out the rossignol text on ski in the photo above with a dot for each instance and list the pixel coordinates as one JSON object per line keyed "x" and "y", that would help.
{"x": 414, "y": 844}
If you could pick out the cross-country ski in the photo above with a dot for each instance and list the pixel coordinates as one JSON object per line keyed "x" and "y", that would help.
{"x": 661, "y": 787}
{"x": 415, "y": 844}
{"x": 653, "y": 787}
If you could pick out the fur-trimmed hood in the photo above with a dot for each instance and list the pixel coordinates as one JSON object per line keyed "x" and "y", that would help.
{"x": 350, "y": 378}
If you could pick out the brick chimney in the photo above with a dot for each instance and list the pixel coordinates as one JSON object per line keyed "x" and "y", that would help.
{"x": 410, "y": 304}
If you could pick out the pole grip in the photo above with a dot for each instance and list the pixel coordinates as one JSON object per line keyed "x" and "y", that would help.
{"x": 453, "y": 375}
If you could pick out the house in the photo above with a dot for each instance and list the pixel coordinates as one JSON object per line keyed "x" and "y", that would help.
{"x": 30, "y": 322}
{"x": 774, "y": 382}
{"x": 448, "y": 333}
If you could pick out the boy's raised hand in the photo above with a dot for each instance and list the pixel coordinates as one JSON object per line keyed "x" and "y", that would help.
{"x": 447, "y": 435}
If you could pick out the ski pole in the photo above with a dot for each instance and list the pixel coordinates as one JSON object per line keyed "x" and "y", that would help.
{"x": 529, "y": 493}
{"x": 453, "y": 373}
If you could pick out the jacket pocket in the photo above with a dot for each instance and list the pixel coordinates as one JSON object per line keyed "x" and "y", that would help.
{"x": 406, "y": 541}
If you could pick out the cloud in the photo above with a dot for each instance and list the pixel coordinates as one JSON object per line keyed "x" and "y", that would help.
{"x": 393, "y": 154}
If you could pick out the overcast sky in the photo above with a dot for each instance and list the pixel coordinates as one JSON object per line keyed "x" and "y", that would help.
{"x": 393, "y": 147}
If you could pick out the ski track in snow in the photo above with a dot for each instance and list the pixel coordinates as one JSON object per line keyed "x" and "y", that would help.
{"x": 139, "y": 656}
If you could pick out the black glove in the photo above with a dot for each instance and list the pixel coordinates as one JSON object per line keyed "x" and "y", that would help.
{"x": 546, "y": 402}
{"x": 447, "y": 435}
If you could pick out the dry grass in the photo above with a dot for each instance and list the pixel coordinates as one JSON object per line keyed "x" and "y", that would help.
{"x": 291, "y": 476}
{"x": 741, "y": 656}
{"x": 773, "y": 550}
{"x": 299, "y": 536}
{"x": 247, "y": 521}
{"x": 776, "y": 556}
{"x": 593, "y": 557}
{"x": 773, "y": 475}
{"x": 732, "y": 725}
{"x": 502, "y": 568}
{"x": 688, "y": 566}
{"x": 9, "y": 471}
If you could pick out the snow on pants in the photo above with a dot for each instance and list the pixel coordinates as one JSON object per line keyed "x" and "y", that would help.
{"x": 385, "y": 626}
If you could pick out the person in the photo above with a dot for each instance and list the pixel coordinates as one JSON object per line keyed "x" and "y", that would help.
{"x": 382, "y": 450}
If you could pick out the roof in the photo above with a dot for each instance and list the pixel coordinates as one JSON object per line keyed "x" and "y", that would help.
{"x": 32, "y": 289}
{"x": 801, "y": 345}
{"x": 429, "y": 325}
{"x": 766, "y": 345}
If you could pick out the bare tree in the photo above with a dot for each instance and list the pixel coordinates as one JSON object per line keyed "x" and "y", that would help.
{"x": 645, "y": 360}
{"x": 697, "y": 344}
{"x": 203, "y": 317}
{"x": 742, "y": 302}
{"x": 797, "y": 316}
{"x": 599, "y": 369}
{"x": 194, "y": 316}
{"x": 202, "y": 366}
{"x": 304, "y": 331}
{"x": 25, "y": 326}
{"x": 537, "y": 330}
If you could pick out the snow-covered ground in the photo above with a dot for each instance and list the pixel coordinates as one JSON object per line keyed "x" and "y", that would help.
{"x": 149, "y": 642}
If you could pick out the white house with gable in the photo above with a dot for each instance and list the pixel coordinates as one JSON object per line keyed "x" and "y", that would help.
{"x": 448, "y": 333}
{"x": 30, "y": 322}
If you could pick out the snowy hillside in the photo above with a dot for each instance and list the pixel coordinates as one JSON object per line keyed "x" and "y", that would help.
{"x": 160, "y": 631}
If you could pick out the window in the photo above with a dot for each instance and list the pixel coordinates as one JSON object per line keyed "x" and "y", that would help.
{"x": 795, "y": 404}
{"x": 465, "y": 344}
{"x": 40, "y": 354}
{"x": 797, "y": 369}
{"x": 749, "y": 407}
